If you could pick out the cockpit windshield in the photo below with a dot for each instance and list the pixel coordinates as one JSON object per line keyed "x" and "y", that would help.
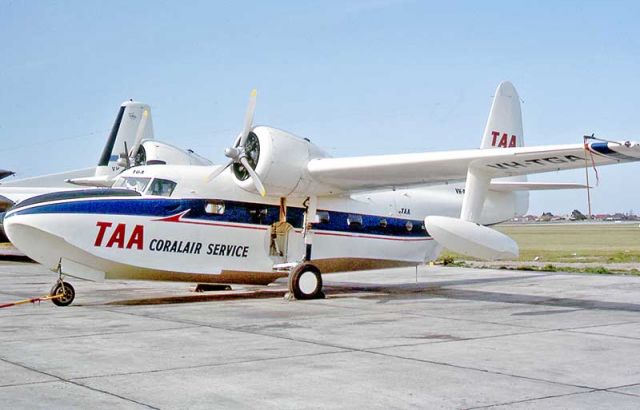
{"x": 161, "y": 187}
{"x": 137, "y": 184}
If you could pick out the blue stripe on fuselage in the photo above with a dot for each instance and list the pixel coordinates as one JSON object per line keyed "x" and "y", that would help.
{"x": 237, "y": 212}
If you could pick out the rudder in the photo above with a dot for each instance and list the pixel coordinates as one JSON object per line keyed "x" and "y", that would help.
{"x": 504, "y": 126}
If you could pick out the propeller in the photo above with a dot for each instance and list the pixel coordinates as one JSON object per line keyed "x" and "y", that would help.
{"x": 128, "y": 156}
{"x": 139, "y": 133}
{"x": 238, "y": 155}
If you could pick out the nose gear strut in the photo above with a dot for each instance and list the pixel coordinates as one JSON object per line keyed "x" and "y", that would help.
{"x": 62, "y": 293}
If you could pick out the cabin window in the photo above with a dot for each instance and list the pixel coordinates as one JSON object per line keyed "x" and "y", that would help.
{"x": 323, "y": 217}
{"x": 161, "y": 187}
{"x": 214, "y": 207}
{"x": 383, "y": 223}
{"x": 409, "y": 226}
{"x": 137, "y": 184}
{"x": 354, "y": 221}
{"x": 259, "y": 215}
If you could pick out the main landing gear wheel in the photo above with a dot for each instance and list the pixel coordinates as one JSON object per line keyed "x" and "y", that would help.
{"x": 66, "y": 290}
{"x": 305, "y": 282}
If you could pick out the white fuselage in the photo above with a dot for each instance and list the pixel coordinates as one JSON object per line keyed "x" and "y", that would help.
{"x": 219, "y": 232}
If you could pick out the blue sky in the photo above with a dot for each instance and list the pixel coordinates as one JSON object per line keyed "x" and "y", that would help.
{"x": 357, "y": 77}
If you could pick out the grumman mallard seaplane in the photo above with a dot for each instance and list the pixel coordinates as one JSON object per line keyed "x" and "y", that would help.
{"x": 282, "y": 207}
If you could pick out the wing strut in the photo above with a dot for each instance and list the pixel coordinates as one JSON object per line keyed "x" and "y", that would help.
{"x": 465, "y": 235}
{"x": 475, "y": 193}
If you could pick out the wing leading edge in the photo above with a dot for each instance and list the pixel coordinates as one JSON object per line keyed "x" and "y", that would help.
{"x": 359, "y": 173}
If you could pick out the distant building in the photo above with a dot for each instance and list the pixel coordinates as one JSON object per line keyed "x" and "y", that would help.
{"x": 577, "y": 216}
{"x": 546, "y": 217}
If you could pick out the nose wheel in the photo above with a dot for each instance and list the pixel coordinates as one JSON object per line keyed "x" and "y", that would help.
{"x": 65, "y": 292}
{"x": 305, "y": 282}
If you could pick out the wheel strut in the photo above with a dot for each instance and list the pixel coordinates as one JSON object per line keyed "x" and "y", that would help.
{"x": 63, "y": 291}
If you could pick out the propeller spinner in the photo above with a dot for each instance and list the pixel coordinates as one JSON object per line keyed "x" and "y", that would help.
{"x": 244, "y": 156}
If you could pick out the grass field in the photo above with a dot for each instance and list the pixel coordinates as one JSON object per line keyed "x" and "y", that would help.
{"x": 576, "y": 242}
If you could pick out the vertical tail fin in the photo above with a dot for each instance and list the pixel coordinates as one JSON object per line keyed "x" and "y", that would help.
{"x": 503, "y": 130}
{"x": 123, "y": 136}
{"x": 504, "y": 126}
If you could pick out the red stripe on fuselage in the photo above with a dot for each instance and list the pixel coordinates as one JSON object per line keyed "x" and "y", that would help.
{"x": 365, "y": 236}
{"x": 178, "y": 218}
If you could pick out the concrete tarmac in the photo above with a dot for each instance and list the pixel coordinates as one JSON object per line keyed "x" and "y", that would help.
{"x": 444, "y": 338}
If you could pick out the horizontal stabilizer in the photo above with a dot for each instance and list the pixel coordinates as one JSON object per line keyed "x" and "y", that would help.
{"x": 471, "y": 239}
{"x": 508, "y": 186}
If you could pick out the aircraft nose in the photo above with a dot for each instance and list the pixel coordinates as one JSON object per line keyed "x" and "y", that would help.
{"x": 29, "y": 237}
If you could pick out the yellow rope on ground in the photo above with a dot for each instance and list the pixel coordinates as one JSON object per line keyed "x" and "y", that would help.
{"x": 32, "y": 300}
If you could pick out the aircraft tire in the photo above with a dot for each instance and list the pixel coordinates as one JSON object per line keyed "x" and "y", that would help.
{"x": 305, "y": 282}
{"x": 69, "y": 293}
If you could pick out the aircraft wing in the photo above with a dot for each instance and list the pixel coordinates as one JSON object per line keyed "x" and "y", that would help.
{"x": 50, "y": 180}
{"x": 357, "y": 173}
{"x": 16, "y": 190}
{"x": 10, "y": 196}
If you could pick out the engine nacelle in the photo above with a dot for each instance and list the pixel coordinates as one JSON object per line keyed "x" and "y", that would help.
{"x": 281, "y": 162}
{"x": 155, "y": 152}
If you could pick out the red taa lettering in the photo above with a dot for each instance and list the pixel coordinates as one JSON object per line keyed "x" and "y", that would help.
{"x": 136, "y": 238}
{"x": 504, "y": 141}
{"x": 495, "y": 135}
{"x": 103, "y": 228}
{"x": 118, "y": 235}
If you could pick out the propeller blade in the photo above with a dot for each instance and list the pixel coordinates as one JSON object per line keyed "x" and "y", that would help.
{"x": 139, "y": 133}
{"x": 126, "y": 157}
{"x": 248, "y": 117}
{"x": 218, "y": 171}
{"x": 254, "y": 176}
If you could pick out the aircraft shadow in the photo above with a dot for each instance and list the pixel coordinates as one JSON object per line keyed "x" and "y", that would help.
{"x": 420, "y": 291}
